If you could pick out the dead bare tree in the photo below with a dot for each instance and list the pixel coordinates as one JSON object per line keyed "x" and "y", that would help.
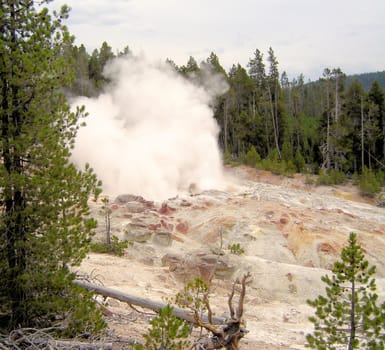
{"x": 228, "y": 335}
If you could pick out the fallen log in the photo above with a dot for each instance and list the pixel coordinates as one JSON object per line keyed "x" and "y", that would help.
{"x": 187, "y": 315}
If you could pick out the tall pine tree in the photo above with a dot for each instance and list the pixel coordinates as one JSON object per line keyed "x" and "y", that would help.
{"x": 45, "y": 222}
{"x": 376, "y": 99}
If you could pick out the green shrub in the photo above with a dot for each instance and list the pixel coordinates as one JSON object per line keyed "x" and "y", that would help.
{"x": 368, "y": 184}
{"x": 194, "y": 296}
{"x": 68, "y": 306}
{"x": 290, "y": 168}
{"x": 85, "y": 318}
{"x": 333, "y": 177}
{"x": 323, "y": 178}
{"x": 252, "y": 157}
{"x": 286, "y": 151}
{"x": 356, "y": 178}
{"x": 227, "y": 157}
{"x": 309, "y": 180}
{"x": 236, "y": 248}
{"x": 380, "y": 176}
{"x": 116, "y": 247}
{"x": 278, "y": 166}
{"x": 337, "y": 176}
{"x": 166, "y": 332}
{"x": 314, "y": 168}
{"x": 230, "y": 159}
{"x": 299, "y": 162}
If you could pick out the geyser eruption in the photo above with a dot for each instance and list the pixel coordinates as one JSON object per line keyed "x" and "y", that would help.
{"x": 152, "y": 133}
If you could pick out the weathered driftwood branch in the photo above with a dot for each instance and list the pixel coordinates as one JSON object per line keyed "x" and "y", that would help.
{"x": 184, "y": 314}
{"x": 39, "y": 339}
{"x": 75, "y": 345}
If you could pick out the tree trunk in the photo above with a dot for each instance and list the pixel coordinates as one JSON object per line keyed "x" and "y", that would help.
{"x": 184, "y": 314}
{"x": 274, "y": 122}
{"x": 14, "y": 201}
{"x": 352, "y": 334}
{"x": 328, "y": 161}
{"x": 362, "y": 135}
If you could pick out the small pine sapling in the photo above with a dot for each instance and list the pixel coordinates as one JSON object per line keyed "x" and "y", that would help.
{"x": 166, "y": 332}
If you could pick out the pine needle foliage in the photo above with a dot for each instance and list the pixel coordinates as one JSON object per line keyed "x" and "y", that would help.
{"x": 166, "y": 332}
{"x": 368, "y": 183}
{"x": 194, "y": 296}
{"x": 348, "y": 315}
{"x": 45, "y": 222}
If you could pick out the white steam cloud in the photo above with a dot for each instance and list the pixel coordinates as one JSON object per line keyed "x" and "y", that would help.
{"x": 152, "y": 133}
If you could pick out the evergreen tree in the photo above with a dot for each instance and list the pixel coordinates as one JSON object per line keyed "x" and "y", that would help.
{"x": 166, "y": 332}
{"x": 355, "y": 103}
{"x": 213, "y": 62}
{"x": 368, "y": 184}
{"x": 172, "y": 64}
{"x": 257, "y": 70}
{"x": 376, "y": 98}
{"x": 299, "y": 162}
{"x": 260, "y": 104}
{"x": 191, "y": 69}
{"x": 45, "y": 221}
{"x": 220, "y": 104}
{"x": 335, "y": 127}
{"x": 297, "y": 121}
{"x": 348, "y": 316}
{"x": 82, "y": 85}
{"x": 239, "y": 96}
{"x": 126, "y": 52}
{"x": 274, "y": 93}
{"x": 96, "y": 64}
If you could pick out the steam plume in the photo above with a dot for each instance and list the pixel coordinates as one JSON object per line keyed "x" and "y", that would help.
{"x": 152, "y": 133}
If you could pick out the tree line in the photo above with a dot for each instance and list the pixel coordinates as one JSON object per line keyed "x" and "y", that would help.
{"x": 304, "y": 126}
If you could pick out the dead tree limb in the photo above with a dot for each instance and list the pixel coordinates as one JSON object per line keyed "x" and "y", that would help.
{"x": 75, "y": 345}
{"x": 228, "y": 335}
{"x": 39, "y": 339}
{"x": 184, "y": 314}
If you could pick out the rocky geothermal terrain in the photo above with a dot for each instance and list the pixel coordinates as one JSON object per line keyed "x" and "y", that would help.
{"x": 291, "y": 234}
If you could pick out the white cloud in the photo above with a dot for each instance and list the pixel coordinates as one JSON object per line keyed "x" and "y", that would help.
{"x": 307, "y": 35}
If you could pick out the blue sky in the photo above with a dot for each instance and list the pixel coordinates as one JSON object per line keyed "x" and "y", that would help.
{"x": 306, "y": 35}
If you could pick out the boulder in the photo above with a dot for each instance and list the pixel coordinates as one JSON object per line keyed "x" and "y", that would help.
{"x": 166, "y": 225}
{"x": 205, "y": 266}
{"x": 224, "y": 268}
{"x": 171, "y": 260}
{"x": 125, "y": 198}
{"x": 182, "y": 227}
{"x": 165, "y": 209}
{"x": 135, "y": 207}
{"x": 162, "y": 238}
{"x": 133, "y": 202}
{"x": 137, "y": 233}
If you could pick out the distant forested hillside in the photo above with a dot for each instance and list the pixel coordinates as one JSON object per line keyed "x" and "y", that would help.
{"x": 367, "y": 79}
